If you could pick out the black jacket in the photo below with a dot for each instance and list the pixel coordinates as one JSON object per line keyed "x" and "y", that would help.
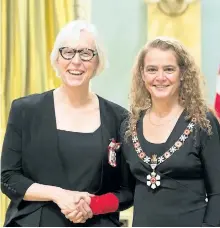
{"x": 30, "y": 155}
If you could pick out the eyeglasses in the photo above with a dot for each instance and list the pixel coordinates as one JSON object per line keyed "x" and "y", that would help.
{"x": 85, "y": 54}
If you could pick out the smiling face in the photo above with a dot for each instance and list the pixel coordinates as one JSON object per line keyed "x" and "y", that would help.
{"x": 161, "y": 74}
{"x": 77, "y": 72}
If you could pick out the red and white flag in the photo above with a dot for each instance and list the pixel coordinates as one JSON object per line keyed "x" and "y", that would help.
{"x": 217, "y": 97}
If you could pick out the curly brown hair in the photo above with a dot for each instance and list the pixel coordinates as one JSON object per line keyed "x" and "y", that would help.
{"x": 191, "y": 95}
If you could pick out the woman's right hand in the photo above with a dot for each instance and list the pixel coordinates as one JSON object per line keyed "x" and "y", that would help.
{"x": 83, "y": 210}
{"x": 69, "y": 201}
{"x": 64, "y": 200}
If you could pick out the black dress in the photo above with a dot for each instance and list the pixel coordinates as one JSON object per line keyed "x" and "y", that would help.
{"x": 77, "y": 150}
{"x": 186, "y": 177}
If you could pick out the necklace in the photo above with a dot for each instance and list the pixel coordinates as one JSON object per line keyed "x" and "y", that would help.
{"x": 166, "y": 122}
{"x": 153, "y": 179}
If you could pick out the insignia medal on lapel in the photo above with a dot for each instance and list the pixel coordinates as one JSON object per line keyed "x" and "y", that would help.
{"x": 112, "y": 148}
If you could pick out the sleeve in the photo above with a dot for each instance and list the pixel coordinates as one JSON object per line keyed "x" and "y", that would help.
{"x": 13, "y": 183}
{"x": 210, "y": 160}
{"x": 120, "y": 199}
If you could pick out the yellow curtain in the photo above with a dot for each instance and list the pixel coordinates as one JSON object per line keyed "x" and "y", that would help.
{"x": 186, "y": 27}
{"x": 28, "y": 30}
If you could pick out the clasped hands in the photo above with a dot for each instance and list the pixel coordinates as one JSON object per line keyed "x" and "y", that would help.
{"x": 74, "y": 205}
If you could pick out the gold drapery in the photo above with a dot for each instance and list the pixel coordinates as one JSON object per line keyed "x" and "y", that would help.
{"x": 186, "y": 27}
{"x": 28, "y": 31}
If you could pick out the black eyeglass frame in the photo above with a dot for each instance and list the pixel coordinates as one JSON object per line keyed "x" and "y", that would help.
{"x": 94, "y": 53}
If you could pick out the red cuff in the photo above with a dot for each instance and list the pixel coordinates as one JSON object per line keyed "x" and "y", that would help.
{"x": 104, "y": 204}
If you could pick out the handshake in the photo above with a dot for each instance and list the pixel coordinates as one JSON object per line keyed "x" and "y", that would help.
{"x": 74, "y": 205}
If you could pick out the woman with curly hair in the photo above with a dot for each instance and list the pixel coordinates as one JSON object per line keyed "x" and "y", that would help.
{"x": 172, "y": 141}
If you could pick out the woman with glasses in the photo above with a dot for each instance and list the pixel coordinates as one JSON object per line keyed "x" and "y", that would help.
{"x": 61, "y": 157}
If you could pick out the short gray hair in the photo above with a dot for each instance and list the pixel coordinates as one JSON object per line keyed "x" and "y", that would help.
{"x": 72, "y": 30}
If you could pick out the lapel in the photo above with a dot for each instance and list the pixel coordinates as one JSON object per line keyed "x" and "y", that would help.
{"x": 105, "y": 125}
{"x": 109, "y": 130}
{"x": 48, "y": 143}
{"x": 108, "y": 127}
